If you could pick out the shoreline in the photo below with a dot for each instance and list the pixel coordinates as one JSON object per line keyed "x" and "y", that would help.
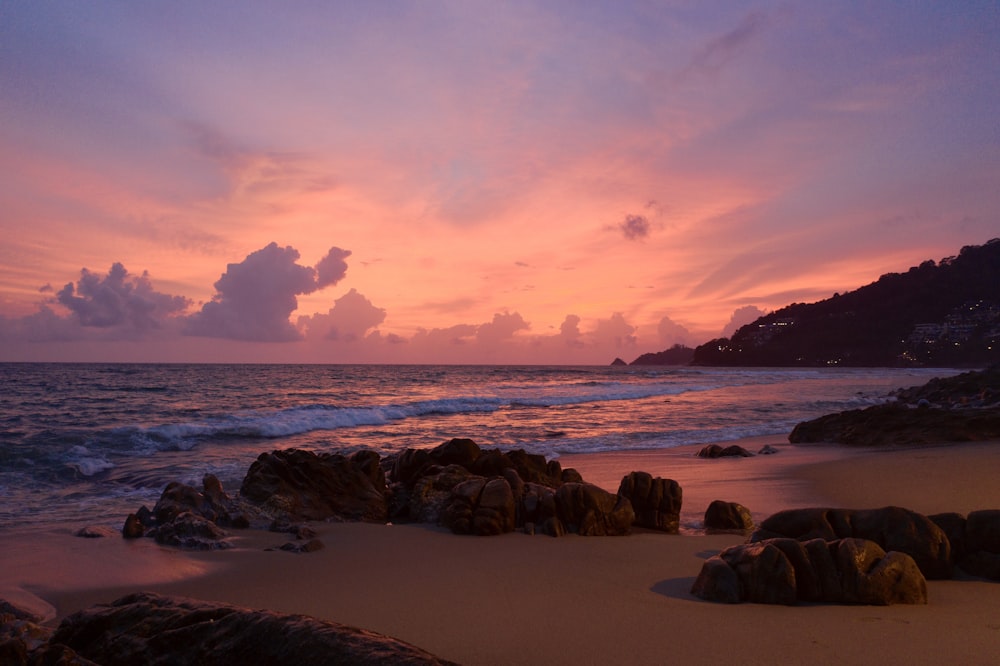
{"x": 536, "y": 599}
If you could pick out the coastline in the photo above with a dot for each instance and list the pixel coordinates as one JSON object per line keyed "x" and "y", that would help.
{"x": 534, "y": 599}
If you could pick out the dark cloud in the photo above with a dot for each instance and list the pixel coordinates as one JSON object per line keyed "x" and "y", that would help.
{"x": 722, "y": 50}
{"x": 118, "y": 300}
{"x": 256, "y": 297}
{"x": 635, "y": 227}
{"x": 332, "y": 268}
{"x": 615, "y": 332}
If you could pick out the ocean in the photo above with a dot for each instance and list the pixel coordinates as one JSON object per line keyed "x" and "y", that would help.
{"x": 85, "y": 444}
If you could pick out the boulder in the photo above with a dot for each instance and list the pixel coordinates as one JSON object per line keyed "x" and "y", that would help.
{"x": 892, "y": 528}
{"x": 786, "y": 571}
{"x": 211, "y": 502}
{"x": 585, "y": 509}
{"x": 656, "y": 502}
{"x": 146, "y": 628}
{"x": 717, "y": 451}
{"x": 431, "y": 493}
{"x": 191, "y": 532}
{"x": 302, "y": 485}
{"x": 722, "y": 515}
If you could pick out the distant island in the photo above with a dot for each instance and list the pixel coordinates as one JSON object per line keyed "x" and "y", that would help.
{"x": 944, "y": 313}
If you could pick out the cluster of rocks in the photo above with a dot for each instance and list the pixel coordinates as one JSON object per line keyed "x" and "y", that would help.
{"x": 147, "y": 628}
{"x": 870, "y": 556}
{"x": 733, "y": 451}
{"x": 964, "y": 408}
{"x": 457, "y": 485}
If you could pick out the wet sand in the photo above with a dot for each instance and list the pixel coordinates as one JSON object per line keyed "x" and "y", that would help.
{"x": 535, "y": 599}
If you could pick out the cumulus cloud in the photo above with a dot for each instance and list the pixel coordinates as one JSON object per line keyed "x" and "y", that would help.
{"x": 503, "y": 327}
{"x": 256, "y": 297}
{"x": 615, "y": 332}
{"x": 741, "y": 317}
{"x": 569, "y": 331}
{"x": 672, "y": 333}
{"x": 351, "y": 318}
{"x": 634, "y": 227}
{"x": 118, "y": 299}
{"x": 332, "y": 268}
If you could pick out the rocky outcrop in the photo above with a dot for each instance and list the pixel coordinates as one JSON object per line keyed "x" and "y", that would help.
{"x": 787, "y": 571}
{"x": 892, "y": 528}
{"x": 482, "y": 507}
{"x": 975, "y": 541}
{"x": 150, "y": 629}
{"x": 717, "y": 451}
{"x": 656, "y": 502}
{"x": 302, "y": 485}
{"x": 728, "y": 516}
{"x": 898, "y": 424}
{"x": 191, "y": 532}
{"x": 588, "y": 510}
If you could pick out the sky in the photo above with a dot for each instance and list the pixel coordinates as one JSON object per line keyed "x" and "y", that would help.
{"x": 474, "y": 182}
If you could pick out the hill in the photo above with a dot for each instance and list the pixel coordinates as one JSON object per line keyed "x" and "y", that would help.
{"x": 936, "y": 314}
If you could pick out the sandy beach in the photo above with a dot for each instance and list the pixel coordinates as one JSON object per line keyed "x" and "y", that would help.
{"x": 535, "y": 599}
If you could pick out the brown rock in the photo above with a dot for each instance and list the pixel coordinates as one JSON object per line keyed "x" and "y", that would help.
{"x": 302, "y": 485}
{"x": 722, "y": 515}
{"x": 149, "y": 629}
{"x": 716, "y": 451}
{"x": 656, "y": 502}
{"x": 191, "y": 532}
{"x": 591, "y": 511}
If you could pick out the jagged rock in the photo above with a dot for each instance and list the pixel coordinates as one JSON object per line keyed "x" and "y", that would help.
{"x": 302, "y": 485}
{"x": 892, "y": 528}
{"x": 656, "y": 502}
{"x": 717, "y": 451}
{"x": 191, "y": 532}
{"x": 146, "y": 628}
{"x": 210, "y": 503}
{"x": 482, "y": 507}
{"x": 588, "y": 510}
{"x": 570, "y": 475}
{"x": 722, "y": 515}
{"x": 432, "y": 493}
{"x": 24, "y": 640}
{"x": 538, "y": 503}
{"x": 133, "y": 527}
{"x": 895, "y": 423}
{"x": 785, "y": 571}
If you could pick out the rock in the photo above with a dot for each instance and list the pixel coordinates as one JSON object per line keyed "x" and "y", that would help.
{"x": 310, "y": 546}
{"x": 146, "y": 628}
{"x": 982, "y": 531}
{"x": 94, "y": 532}
{"x": 722, "y": 515}
{"x": 656, "y": 502}
{"x": 892, "y": 528}
{"x": 895, "y": 423}
{"x": 191, "y": 532}
{"x": 768, "y": 450}
{"x": 24, "y": 640}
{"x": 953, "y": 525}
{"x": 785, "y": 571}
{"x": 133, "y": 527}
{"x": 431, "y": 493}
{"x": 570, "y": 475}
{"x": 588, "y": 510}
{"x": 533, "y": 468}
{"x": 538, "y": 503}
{"x": 716, "y": 451}
{"x": 302, "y": 485}
{"x": 982, "y": 564}
{"x": 177, "y": 498}
{"x": 482, "y": 507}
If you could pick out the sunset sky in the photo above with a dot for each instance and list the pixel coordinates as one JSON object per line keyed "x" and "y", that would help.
{"x": 474, "y": 182}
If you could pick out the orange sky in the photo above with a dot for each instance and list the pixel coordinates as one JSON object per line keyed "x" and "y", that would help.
{"x": 515, "y": 182}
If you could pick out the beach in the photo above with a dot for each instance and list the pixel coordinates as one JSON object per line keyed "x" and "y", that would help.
{"x": 535, "y": 599}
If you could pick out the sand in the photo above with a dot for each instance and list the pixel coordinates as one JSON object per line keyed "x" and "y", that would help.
{"x": 534, "y": 599}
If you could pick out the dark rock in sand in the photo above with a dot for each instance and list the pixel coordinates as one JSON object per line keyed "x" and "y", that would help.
{"x": 898, "y": 424}
{"x": 982, "y": 545}
{"x": 768, "y": 450}
{"x": 95, "y": 532}
{"x": 785, "y": 571}
{"x": 177, "y": 498}
{"x": 302, "y": 485}
{"x": 133, "y": 527}
{"x": 892, "y": 528}
{"x": 656, "y": 502}
{"x": 722, "y": 515}
{"x": 149, "y": 629}
{"x": 588, "y": 510}
{"x": 953, "y": 526}
{"x": 717, "y": 451}
{"x": 570, "y": 475}
{"x": 191, "y": 532}
{"x": 431, "y": 493}
{"x": 310, "y": 546}
{"x": 481, "y": 507}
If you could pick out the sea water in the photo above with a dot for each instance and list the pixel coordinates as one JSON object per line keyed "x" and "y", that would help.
{"x": 88, "y": 443}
